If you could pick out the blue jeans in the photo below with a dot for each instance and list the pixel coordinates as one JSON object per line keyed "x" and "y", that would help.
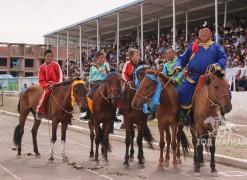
{"x": 94, "y": 88}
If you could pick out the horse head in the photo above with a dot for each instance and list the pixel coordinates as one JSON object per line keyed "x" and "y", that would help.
{"x": 113, "y": 86}
{"x": 79, "y": 93}
{"x": 145, "y": 91}
{"x": 218, "y": 89}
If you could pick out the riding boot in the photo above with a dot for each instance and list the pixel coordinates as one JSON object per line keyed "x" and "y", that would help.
{"x": 115, "y": 119}
{"x": 87, "y": 116}
{"x": 187, "y": 120}
{"x": 151, "y": 116}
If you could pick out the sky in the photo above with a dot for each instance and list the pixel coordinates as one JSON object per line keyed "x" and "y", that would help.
{"x": 26, "y": 21}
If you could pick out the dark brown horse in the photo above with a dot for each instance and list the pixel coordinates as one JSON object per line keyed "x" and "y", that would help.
{"x": 58, "y": 109}
{"x": 131, "y": 117}
{"x": 167, "y": 113}
{"x": 210, "y": 103}
{"x": 105, "y": 100}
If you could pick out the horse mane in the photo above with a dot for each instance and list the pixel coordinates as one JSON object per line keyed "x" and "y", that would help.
{"x": 219, "y": 73}
{"x": 65, "y": 83}
{"x": 164, "y": 78}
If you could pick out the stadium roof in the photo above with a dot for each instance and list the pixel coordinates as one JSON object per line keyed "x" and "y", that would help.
{"x": 198, "y": 11}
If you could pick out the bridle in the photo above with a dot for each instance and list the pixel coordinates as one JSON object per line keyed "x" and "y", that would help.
{"x": 215, "y": 97}
{"x": 108, "y": 92}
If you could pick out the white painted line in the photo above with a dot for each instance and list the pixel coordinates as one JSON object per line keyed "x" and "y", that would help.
{"x": 8, "y": 171}
{"x": 92, "y": 171}
{"x": 3, "y": 133}
{"x": 106, "y": 177}
{"x": 233, "y": 173}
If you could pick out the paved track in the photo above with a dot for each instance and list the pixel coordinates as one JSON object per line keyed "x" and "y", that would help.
{"x": 77, "y": 149}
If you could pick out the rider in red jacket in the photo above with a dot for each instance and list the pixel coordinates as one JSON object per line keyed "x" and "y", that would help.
{"x": 49, "y": 74}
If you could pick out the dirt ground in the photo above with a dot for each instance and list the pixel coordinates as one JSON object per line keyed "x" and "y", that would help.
{"x": 233, "y": 143}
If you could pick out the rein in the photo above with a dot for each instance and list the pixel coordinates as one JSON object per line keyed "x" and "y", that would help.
{"x": 217, "y": 99}
{"x": 108, "y": 92}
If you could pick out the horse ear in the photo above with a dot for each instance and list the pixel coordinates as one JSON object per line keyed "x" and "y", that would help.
{"x": 156, "y": 74}
{"x": 208, "y": 80}
{"x": 71, "y": 79}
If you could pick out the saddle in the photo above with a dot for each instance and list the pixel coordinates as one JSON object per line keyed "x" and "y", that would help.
{"x": 199, "y": 86}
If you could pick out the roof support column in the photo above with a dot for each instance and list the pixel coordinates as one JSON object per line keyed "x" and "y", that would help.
{"x": 142, "y": 50}
{"x": 216, "y": 21}
{"x": 225, "y": 15}
{"x": 57, "y": 46}
{"x": 87, "y": 50}
{"x": 47, "y": 42}
{"x": 80, "y": 51}
{"x": 174, "y": 24}
{"x": 67, "y": 53}
{"x": 138, "y": 36}
{"x": 158, "y": 33}
{"x": 98, "y": 46}
{"x": 117, "y": 39}
{"x": 186, "y": 26}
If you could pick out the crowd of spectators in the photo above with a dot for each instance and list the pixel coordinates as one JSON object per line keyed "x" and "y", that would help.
{"x": 232, "y": 38}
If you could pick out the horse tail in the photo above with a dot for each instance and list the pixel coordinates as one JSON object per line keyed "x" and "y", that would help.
{"x": 17, "y": 135}
{"x": 18, "y": 106}
{"x": 148, "y": 137}
{"x": 185, "y": 143}
{"x": 101, "y": 136}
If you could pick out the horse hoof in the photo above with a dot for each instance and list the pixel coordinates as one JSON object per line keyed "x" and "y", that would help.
{"x": 143, "y": 160}
{"x": 131, "y": 159}
{"x": 141, "y": 166}
{"x": 202, "y": 164}
{"x": 126, "y": 166}
{"x": 176, "y": 170}
{"x": 77, "y": 167}
{"x": 18, "y": 157}
{"x": 91, "y": 158}
{"x": 160, "y": 168}
{"x": 196, "y": 174}
{"x": 166, "y": 164}
{"x": 51, "y": 158}
{"x": 65, "y": 159}
{"x": 105, "y": 163}
{"x": 37, "y": 156}
{"x": 214, "y": 174}
{"x": 179, "y": 161}
{"x": 96, "y": 163}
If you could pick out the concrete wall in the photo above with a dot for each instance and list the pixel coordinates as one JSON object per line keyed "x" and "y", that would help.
{"x": 239, "y": 107}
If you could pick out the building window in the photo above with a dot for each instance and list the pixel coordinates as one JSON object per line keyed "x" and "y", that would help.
{"x": 28, "y": 62}
{"x": 3, "y": 72}
{"x": 3, "y": 61}
{"x": 14, "y": 73}
{"x": 60, "y": 62}
{"x": 28, "y": 74}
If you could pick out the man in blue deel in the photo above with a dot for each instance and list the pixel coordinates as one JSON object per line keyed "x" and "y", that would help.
{"x": 198, "y": 56}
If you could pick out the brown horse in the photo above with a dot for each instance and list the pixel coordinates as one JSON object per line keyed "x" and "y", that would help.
{"x": 131, "y": 117}
{"x": 58, "y": 109}
{"x": 105, "y": 100}
{"x": 210, "y": 103}
{"x": 167, "y": 113}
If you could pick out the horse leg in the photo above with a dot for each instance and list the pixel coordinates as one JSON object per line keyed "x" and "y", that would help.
{"x": 139, "y": 143}
{"x": 53, "y": 140}
{"x": 92, "y": 136}
{"x": 161, "y": 144}
{"x": 19, "y": 130}
{"x": 106, "y": 130}
{"x": 198, "y": 148}
{"x": 168, "y": 141}
{"x": 131, "y": 158}
{"x": 34, "y": 135}
{"x": 179, "y": 134}
{"x": 127, "y": 143}
{"x": 63, "y": 139}
{"x": 97, "y": 142}
{"x": 212, "y": 163}
{"x": 174, "y": 127}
